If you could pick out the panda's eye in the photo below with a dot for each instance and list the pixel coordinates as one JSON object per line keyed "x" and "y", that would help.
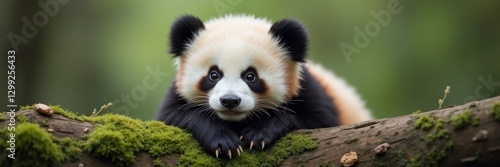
{"x": 214, "y": 76}
{"x": 250, "y": 77}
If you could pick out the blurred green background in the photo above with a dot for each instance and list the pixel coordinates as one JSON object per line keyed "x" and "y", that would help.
{"x": 85, "y": 54}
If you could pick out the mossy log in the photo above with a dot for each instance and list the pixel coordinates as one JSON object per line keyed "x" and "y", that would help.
{"x": 466, "y": 135}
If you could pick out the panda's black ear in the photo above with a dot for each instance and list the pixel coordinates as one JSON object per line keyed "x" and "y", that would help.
{"x": 292, "y": 36}
{"x": 183, "y": 32}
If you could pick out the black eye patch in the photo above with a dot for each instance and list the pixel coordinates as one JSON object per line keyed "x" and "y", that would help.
{"x": 210, "y": 80}
{"x": 251, "y": 77}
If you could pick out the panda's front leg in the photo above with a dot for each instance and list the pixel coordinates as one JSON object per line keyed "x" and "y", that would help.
{"x": 213, "y": 134}
{"x": 267, "y": 130}
{"x": 216, "y": 137}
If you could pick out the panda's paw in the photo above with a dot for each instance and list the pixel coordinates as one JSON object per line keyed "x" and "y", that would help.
{"x": 258, "y": 137}
{"x": 225, "y": 146}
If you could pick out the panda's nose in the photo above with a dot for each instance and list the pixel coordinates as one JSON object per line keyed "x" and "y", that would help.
{"x": 230, "y": 101}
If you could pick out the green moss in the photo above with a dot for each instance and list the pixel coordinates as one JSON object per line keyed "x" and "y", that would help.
{"x": 3, "y": 116}
{"x": 192, "y": 154}
{"x": 66, "y": 113}
{"x": 437, "y": 140}
{"x": 440, "y": 123}
{"x": 70, "y": 147}
{"x": 414, "y": 162}
{"x": 440, "y": 132}
{"x": 34, "y": 146}
{"x": 27, "y": 107}
{"x": 416, "y": 112}
{"x": 425, "y": 122}
{"x": 429, "y": 138}
{"x": 110, "y": 144}
{"x": 161, "y": 139}
{"x": 60, "y": 111}
{"x": 118, "y": 138}
{"x": 252, "y": 159}
{"x": 197, "y": 157}
{"x": 20, "y": 118}
{"x": 45, "y": 123}
{"x": 351, "y": 140}
{"x": 327, "y": 164}
{"x": 435, "y": 154}
{"x": 108, "y": 140}
{"x": 157, "y": 163}
{"x": 495, "y": 111}
{"x": 291, "y": 144}
{"x": 464, "y": 119}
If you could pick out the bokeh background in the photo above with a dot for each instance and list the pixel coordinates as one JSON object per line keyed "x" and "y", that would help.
{"x": 85, "y": 54}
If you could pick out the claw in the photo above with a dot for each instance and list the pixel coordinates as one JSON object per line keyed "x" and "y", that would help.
{"x": 241, "y": 137}
{"x": 263, "y": 144}
{"x": 241, "y": 149}
{"x": 217, "y": 153}
{"x": 229, "y": 154}
{"x": 238, "y": 150}
{"x": 251, "y": 144}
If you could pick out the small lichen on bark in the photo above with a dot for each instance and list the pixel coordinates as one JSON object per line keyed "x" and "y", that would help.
{"x": 464, "y": 119}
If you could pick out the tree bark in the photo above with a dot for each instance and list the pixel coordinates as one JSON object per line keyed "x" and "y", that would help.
{"x": 408, "y": 144}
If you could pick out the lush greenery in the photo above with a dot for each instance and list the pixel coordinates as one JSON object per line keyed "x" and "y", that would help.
{"x": 118, "y": 138}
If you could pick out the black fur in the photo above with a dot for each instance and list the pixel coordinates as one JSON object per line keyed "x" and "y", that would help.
{"x": 312, "y": 108}
{"x": 206, "y": 84}
{"x": 292, "y": 36}
{"x": 257, "y": 86}
{"x": 182, "y": 33}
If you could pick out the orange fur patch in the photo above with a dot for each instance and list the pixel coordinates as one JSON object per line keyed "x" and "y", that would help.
{"x": 180, "y": 72}
{"x": 292, "y": 79}
{"x": 351, "y": 108}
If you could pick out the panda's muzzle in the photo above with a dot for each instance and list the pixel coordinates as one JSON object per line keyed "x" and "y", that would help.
{"x": 230, "y": 101}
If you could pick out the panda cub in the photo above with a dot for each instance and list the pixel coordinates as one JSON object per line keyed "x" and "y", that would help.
{"x": 244, "y": 81}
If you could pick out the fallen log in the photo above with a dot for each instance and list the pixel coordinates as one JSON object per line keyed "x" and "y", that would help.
{"x": 466, "y": 135}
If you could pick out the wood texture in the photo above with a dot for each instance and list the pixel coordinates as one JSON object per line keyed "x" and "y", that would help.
{"x": 406, "y": 141}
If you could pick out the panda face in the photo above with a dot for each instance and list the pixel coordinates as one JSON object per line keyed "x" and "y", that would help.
{"x": 234, "y": 78}
{"x": 231, "y": 96}
{"x": 234, "y": 67}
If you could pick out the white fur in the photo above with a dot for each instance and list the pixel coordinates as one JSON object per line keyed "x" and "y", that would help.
{"x": 236, "y": 86}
